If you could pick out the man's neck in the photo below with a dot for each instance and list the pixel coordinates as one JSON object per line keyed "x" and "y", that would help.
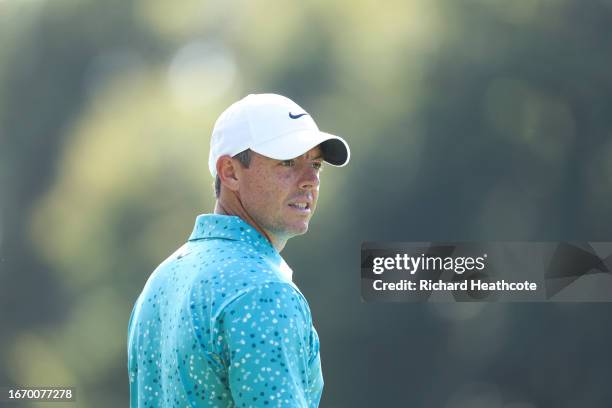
{"x": 278, "y": 244}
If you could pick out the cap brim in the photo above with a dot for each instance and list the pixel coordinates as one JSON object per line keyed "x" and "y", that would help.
{"x": 335, "y": 150}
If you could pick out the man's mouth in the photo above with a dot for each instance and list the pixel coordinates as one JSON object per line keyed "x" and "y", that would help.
{"x": 303, "y": 206}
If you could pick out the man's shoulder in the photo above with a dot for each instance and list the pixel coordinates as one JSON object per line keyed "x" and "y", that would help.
{"x": 217, "y": 271}
{"x": 213, "y": 254}
{"x": 232, "y": 259}
{"x": 276, "y": 295}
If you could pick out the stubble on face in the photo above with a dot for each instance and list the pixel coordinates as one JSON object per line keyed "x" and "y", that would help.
{"x": 281, "y": 196}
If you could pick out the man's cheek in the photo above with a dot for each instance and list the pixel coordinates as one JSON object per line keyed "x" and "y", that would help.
{"x": 315, "y": 200}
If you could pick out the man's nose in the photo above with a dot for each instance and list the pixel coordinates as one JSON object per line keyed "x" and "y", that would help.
{"x": 309, "y": 178}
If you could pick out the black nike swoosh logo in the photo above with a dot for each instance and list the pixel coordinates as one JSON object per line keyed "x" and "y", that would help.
{"x": 292, "y": 116}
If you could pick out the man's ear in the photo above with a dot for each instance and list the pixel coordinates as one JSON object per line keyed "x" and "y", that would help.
{"x": 227, "y": 172}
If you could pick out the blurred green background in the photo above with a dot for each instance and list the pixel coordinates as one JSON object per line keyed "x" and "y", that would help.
{"x": 467, "y": 120}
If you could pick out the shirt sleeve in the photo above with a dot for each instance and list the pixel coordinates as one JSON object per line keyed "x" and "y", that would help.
{"x": 271, "y": 348}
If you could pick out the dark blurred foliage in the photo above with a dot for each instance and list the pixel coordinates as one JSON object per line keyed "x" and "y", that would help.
{"x": 468, "y": 120}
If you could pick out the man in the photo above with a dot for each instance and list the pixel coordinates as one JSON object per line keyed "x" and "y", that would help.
{"x": 220, "y": 322}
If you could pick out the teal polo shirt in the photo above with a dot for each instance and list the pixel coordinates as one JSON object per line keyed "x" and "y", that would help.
{"x": 220, "y": 324}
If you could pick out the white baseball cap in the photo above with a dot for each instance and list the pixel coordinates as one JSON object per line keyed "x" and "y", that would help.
{"x": 273, "y": 126}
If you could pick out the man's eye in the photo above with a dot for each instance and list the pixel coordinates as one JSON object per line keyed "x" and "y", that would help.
{"x": 317, "y": 165}
{"x": 288, "y": 163}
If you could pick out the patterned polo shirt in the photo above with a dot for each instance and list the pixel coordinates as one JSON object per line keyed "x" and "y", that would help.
{"x": 220, "y": 324}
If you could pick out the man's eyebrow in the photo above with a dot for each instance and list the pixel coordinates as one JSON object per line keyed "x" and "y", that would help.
{"x": 317, "y": 157}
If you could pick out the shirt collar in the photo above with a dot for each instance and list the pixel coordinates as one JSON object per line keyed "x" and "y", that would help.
{"x": 231, "y": 227}
{"x": 211, "y": 226}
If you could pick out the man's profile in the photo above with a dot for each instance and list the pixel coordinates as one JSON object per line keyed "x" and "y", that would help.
{"x": 220, "y": 323}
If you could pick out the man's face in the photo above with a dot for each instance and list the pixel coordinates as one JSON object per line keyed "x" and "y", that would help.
{"x": 281, "y": 196}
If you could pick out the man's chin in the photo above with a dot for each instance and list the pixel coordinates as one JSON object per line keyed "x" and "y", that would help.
{"x": 290, "y": 230}
{"x": 299, "y": 229}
